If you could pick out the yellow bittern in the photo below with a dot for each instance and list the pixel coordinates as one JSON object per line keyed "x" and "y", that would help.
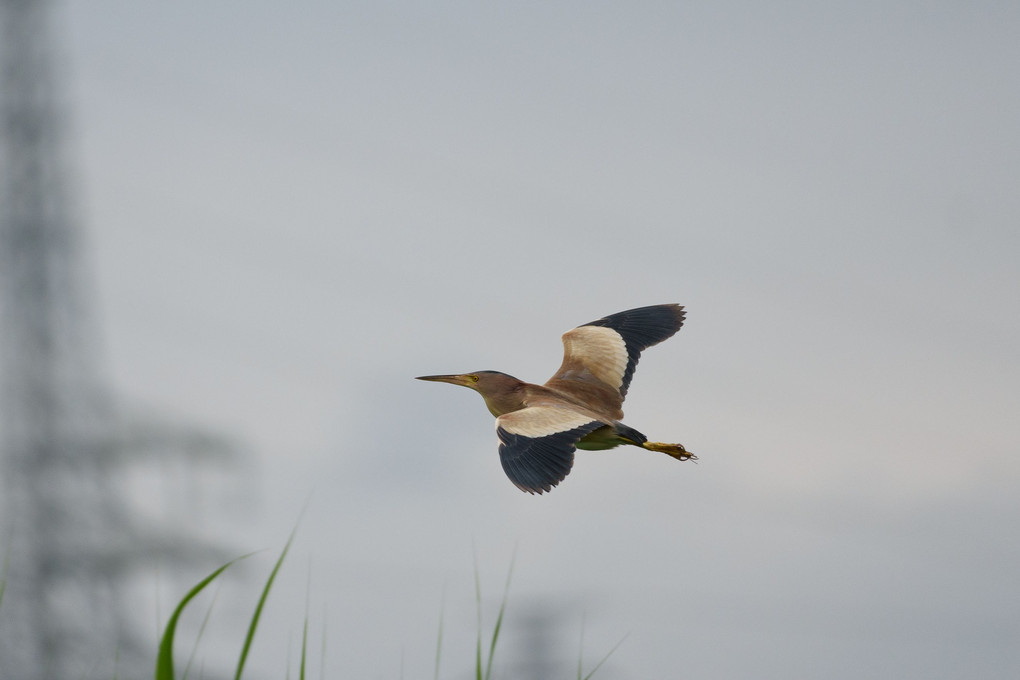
{"x": 540, "y": 426}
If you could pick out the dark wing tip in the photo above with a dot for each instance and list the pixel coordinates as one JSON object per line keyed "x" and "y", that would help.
{"x": 641, "y": 328}
{"x": 537, "y": 464}
{"x": 645, "y": 326}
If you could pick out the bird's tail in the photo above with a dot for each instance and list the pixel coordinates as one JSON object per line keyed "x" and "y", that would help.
{"x": 675, "y": 450}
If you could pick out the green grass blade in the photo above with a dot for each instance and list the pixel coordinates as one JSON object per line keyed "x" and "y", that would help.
{"x": 499, "y": 618}
{"x": 201, "y": 632}
{"x": 304, "y": 632}
{"x": 258, "y": 608}
{"x": 304, "y": 649}
{"x": 165, "y": 655}
{"x": 606, "y": 657}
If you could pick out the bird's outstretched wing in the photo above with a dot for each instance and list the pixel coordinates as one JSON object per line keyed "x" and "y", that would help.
{"x": 599, "y": 358}
{"x": 536, "y": 444}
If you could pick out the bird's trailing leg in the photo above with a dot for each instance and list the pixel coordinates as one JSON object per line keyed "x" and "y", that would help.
{"x": 675, "y": 450}
{"x": 611, "y": 436}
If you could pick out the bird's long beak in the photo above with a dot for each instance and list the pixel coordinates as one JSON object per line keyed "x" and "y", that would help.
{"x": 461, "y": 379}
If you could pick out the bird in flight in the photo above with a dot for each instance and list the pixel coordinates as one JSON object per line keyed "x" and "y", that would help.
{"x": 580, "y": 407}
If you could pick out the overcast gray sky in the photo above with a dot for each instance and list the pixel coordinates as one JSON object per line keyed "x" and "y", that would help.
{"x": 295, "y": 208}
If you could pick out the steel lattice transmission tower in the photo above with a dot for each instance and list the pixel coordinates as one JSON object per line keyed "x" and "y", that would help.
{"x": 69, "y": 536}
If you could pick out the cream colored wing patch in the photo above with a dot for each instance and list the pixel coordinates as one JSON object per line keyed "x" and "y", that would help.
{"x": 599, "y": 349}
{"x": 541, "y": 421}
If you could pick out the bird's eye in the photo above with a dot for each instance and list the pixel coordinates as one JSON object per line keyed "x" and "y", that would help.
{"x": 473, "y": 378}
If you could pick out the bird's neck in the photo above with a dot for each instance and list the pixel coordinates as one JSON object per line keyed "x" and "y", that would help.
{"x": 516, "y": 397}
{"x": 511, "y": 398}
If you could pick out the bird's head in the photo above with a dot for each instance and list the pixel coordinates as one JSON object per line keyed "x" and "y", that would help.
{"x": 500, "y": 391}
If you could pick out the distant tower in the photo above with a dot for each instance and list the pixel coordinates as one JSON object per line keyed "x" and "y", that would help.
{"x": 66, "y": 530}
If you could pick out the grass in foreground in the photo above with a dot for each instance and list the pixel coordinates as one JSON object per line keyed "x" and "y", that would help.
{"x": 496, "y": 628}
{"x": 483, "y": 666}
{"x": 165, "y": 654}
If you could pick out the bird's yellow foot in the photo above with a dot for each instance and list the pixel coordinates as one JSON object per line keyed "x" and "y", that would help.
{"x": 675, "y": 450}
